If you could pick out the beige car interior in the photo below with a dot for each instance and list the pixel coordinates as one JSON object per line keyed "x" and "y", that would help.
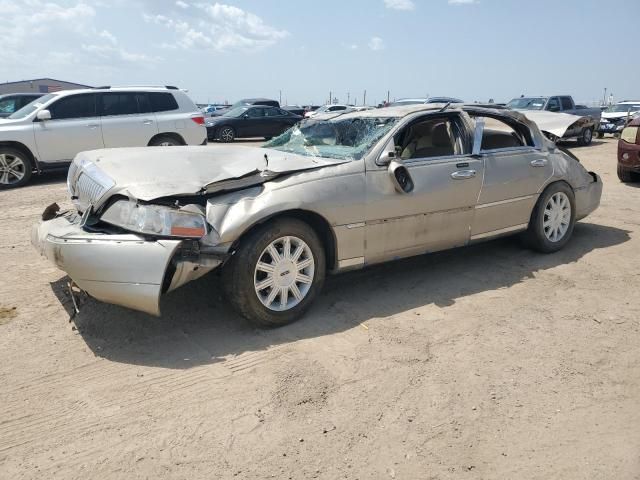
{"x": 431, "y": 138}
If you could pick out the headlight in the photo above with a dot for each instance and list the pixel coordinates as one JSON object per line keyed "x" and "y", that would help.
{"x": 155, "y": 220}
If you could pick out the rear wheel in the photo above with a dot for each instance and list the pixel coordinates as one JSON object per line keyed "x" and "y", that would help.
{"x": 227, "y": 134}
{"x": 600, "y": 135}
{"x": 626, "y": 176}
{"x": 276, "y": 273}
{"x": 585, "y": 137}
{"x": 552, "y": 220}
{"x": 15, "y": 168}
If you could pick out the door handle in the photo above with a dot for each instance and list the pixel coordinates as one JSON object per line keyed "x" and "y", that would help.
{"x": 146, "y": 121}
{"x": 540, "y": 162}
{"x": 463, "y": 174}
{"x": 92, "y": 125}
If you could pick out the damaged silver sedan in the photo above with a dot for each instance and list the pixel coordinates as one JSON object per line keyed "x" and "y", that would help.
{"x": 330, "y": 194}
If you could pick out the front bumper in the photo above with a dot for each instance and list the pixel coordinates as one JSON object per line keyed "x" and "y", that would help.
{"x": 588, "y": 197}
{"x": 123, "y": 269}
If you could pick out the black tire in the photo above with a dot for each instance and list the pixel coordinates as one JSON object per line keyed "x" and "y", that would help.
{"x": 586, "y": 137}
{"x": 226, "y": 134}
{"x": 12, "y": 164}
{"x": 627, "y": 176}
{"x": 165, "y": 141}
{"x": 239, "y": 273}
{"x": 600, "y": 135}
{"x": 535, "y": 236}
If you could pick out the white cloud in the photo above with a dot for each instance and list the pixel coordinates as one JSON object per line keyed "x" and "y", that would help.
{"x": 376, "y": 43}
{"x": 462, "y": 2}
{"x": 182, "y": 4}
{"x": 219, "y": 27}
{"x": 47, "y": 35}
{"x": 399, "y": 4}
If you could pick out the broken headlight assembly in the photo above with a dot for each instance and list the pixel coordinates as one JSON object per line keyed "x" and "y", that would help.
{"x": 155, "y": 220}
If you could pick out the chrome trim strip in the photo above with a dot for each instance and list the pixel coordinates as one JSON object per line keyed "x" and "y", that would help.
{"x": 493, "y": 233}
{"x": 355, "y": 225}
{"x": 502, "y": 202}
{"x": 350, "y": 262}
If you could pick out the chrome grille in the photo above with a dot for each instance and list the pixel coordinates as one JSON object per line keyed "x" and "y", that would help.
{"x": 88, "y": 190}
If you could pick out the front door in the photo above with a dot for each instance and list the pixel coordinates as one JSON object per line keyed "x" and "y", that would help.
{"x": 74, "y": 127}
{"x": 253, "y": 123}
{"x": 438, "y": 212}
{"x": 126, "y": 119}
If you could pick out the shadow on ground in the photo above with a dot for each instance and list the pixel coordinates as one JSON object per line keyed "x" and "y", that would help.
{"x": 197, "y": 327}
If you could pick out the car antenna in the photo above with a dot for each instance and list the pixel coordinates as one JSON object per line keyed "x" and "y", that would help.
{"x": 445, "y": 107}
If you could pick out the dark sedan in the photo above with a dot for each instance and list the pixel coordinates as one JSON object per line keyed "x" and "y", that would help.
{"x": 250, "y": 121}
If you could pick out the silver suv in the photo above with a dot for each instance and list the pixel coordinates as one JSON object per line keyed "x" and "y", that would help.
{"x": 50, "y": 131}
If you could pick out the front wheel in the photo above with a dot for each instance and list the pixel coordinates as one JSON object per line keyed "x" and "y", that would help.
{"x": 585, "y": 137}
{"x": 275, "y": 273}
{"x": 552, "y": 220}
{"x": 15, "y": 168}
{"x": 164, "y": 141}
{"x": 600, "y": 135}
{"x": 227, "y": 134}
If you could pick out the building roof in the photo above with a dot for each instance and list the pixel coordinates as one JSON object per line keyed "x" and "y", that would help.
{"x": 44, "y": 78}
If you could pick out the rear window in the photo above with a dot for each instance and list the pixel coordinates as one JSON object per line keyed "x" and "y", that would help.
{"x": 566, "y": 103}
{"x": 162, "y": 102}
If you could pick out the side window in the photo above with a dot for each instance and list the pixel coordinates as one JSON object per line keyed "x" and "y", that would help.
{"x": 566, "y": 103}
{"x": 498, "y": 134}
{"x": 553, "y": 105}
{"x": 162, "y": 102}
{"x": 255, "y": 112}
{"x": 434, "y": 137}
{"x": 274, "y": 112}
{"x": 144, "y": 106}
{"x": 119, "y": 104}
{"x": 74, "y": 106}
{"x": 336, "y": 108}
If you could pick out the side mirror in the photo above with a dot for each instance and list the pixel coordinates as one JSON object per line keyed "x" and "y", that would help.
{"x": 387, "y": 157}
{"x": 245, "y": 116}
{"x": 43, "y": 115}
{"x": 400, "y": 177}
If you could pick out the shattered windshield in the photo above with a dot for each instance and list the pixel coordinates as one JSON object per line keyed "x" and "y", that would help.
{"x": 342, "y": 138}
{"x": 527, "y": 103}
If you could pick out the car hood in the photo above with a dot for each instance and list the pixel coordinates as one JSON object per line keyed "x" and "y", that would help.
{"x": 554, "y": 123}
{"x": 148, "y": 173}
{"x": 617, "y": 115}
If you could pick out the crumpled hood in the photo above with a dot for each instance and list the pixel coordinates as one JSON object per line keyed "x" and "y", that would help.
{"x": 147, "y": 173}
{"x": 554, "y": 123}
{"x": 617, "y": 115}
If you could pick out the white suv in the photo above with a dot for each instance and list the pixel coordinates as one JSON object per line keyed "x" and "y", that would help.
{"x": 49, "y": 132}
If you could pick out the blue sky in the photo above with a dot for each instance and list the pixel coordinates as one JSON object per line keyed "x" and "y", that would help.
{"x": 230, "y": 49}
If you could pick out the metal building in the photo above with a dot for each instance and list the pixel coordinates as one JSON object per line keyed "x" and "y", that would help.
{"x": 38, "y": 85}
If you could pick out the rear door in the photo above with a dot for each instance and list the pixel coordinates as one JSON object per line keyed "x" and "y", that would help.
{"x": 126, "y": 118}
{"x": 74, "y": 127}
{"x": 278, "y": 121}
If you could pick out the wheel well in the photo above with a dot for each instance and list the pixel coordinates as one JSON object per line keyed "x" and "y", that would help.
{"x": 24, "y": 149}
{"x": 319, "y": 224}
{"x": 173, "y": 135}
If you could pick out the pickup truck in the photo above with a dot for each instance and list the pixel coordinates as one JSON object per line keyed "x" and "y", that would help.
{"x": 582, "y": 130}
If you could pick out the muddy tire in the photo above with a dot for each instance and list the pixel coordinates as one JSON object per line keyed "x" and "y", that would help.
{"x": 16, "y": 168}
{"x": 552, "y": 220}
{"x": 276, "y": 272}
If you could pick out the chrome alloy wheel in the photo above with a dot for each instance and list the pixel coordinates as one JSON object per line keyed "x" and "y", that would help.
{"x": 226, "y": 134}
{"x": 284, "y": 273}
{"x": 557, "y": 217}
{"x": 12, "y": 169}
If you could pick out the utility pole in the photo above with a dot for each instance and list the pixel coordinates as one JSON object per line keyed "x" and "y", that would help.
{"x": 604, "y": 97}
{"x": 330, "y": 98}
{"x": 280, "y": 100}
{"x": 364, "y": 98}
{"x": 348, "y": 97}
{"x": 387, "y": 96}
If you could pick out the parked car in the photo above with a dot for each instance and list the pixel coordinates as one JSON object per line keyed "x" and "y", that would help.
{"x": 629, "y": 152}
{"x": 333, "y": 108}
{"x": 12, "y": 102}
{"x": 418, "y": 101}
{"x": 48, "y": 132}
{"x": 327, "y": 196}
{"x": 250, "y": 122}
{"x": 295, "y": 109}
{"x": 212, "y": 110}
{"x": 616, "y": 117}
{"x": 582, "y": 130}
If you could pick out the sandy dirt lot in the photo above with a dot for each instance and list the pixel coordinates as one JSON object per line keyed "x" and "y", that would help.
{"x": 489, "y": 362}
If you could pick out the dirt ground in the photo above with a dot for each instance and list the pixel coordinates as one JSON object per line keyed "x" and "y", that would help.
{"x": 488, "y": 362}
